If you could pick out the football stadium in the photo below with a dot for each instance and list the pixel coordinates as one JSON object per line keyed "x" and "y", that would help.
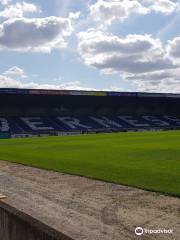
{"x": 26, "y": 112}
{"x": 89, "y": 120}
{"x": 89, "y": 165}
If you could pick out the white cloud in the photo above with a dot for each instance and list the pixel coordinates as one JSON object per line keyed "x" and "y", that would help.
{"x": 162, "y": 86}
{"x": 131, "y": 55}
{"x": 139, "y": 59}
{"x": 9, "y": 82}
{"x": 14, "y": 76}
{"x": 165, "y": 7}
{"x": 18, "y": 10}
{"x": 96, "y": 42}
{"x": 35, "y": 34}
{"x": 74, "y": 15}
{"x": 108, "y": 11}
{"x": 15, "y": 72}
{"x": 5, "y": 2}
{"x": 170, "y": 74}
{"x": 174, "y": 48}
{"x": 161, "y": 81}
{"x": 6, "y": 82}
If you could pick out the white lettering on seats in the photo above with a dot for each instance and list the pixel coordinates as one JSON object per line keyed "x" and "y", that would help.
{"x": 4, "y": 125}
{"x": 156, "y": 121}
{"x": 72, "y": 122}
{"x": 173, "y": 119}
{"x": 106, "y": 122}
{"x": 35, "y": 123}
{"x": 134, "y": 122}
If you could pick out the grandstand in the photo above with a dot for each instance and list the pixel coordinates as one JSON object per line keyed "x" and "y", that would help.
{"x": 88, "y": 186}
{"x": 27, "y": 112}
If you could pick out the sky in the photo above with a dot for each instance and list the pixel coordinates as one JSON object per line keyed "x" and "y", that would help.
{"x": 117, "y": 45}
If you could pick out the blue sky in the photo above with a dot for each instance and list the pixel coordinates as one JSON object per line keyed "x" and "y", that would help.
{"x": 119, "y": 45}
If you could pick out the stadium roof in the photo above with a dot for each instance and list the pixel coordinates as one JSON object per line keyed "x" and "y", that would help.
{"x": 84, "y": 93}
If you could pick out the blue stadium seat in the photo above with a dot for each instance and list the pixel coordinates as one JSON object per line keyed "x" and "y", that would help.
{"x": 90, "y": 123}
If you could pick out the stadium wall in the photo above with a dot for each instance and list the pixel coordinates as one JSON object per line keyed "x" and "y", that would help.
{"x": 16, "y": 225}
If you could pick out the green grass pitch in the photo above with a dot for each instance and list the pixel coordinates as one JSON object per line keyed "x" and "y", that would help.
{"x": 148, "y": 160}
